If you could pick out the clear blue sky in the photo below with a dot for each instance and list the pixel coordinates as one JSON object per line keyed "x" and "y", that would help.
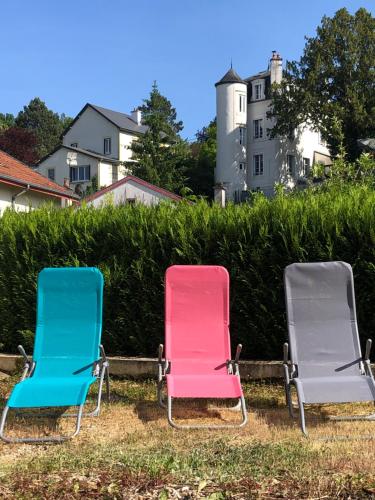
{"x": 109, "y": 52}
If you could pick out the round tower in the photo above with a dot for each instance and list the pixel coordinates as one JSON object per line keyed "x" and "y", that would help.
{"x": 231, "y": 115}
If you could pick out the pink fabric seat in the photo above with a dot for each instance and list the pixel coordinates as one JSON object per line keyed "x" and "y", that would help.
{"x": 204, "y": 386}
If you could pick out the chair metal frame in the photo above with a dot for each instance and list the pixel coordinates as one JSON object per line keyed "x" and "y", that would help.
{"x": 291, "y": 374}
{"x": 164, "y": 366}
{"x": 100, "y": 371}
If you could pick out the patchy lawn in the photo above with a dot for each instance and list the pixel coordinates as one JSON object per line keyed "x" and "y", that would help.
{"x": 131, "y": 452}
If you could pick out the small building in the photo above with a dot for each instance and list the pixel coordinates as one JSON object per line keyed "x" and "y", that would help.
{"x": 130, "y": 189}
{"x": 24, "y": 189}
{"x": 96, "y": 144}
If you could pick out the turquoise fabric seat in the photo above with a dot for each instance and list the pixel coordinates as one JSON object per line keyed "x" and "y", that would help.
{"x": 67, "y": 340}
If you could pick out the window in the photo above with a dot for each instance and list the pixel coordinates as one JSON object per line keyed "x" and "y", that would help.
{"x": 114, "y": 173}
{"x": 107, "y": 146}
{"x": 258, "y": 91}
{"x": 291, "y": 163}
{"x": 74, "y": 145}
{"x": 242, "y": 103}
{"x": 242, "y": 136}
{"x": 258, "y": 129}
{"x": 321, "y": 141}
{"x": 51, "y": 174}
{"x": 80, "y": 173}
{"x": 242, "y": 167}
{"x": 305, "y": 167}
{"x": 258, "y": 164}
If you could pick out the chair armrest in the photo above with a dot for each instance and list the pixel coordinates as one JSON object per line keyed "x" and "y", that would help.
{"x": 368, "y": 350}
{"x": 232, "y": 365}
{"x": 163, "y": 364}
{"x": 29, "y": 365}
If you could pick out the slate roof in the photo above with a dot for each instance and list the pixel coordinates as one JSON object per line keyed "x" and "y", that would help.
{"x": 261, "y": 74}
{"x": 121, "y": 120}
{"x": 14, "y": 172}
{"x": 230, "y": 77}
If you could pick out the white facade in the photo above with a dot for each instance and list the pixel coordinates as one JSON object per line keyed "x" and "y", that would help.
{"x": 89, "y": 132}
{"x": 59, "y": 164}
{"x": 96, "y": 145}
{"x": 264, "y": 162}
{"x": 27, "y": 201}
{"x": 130, "y": 190}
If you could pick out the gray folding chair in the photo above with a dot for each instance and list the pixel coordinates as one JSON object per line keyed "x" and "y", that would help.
{"x": 326, "y": 365}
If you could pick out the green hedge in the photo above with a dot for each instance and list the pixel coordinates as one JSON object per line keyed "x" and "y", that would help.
{"x": 133, "y": 245}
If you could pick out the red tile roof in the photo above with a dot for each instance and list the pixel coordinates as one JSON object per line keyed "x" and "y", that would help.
{"x": 137, "y": 180}
{"x": 16, "y": 173}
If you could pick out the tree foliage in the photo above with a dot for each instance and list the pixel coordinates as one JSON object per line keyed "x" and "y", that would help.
{"x": 44, "y": 123}
{"x": 160, "y": 153}
{"x": 332, "y": 86}
{"x": 6, "y": 121}
{"x": 200, "y": 173}
{"x": 20, "y": 143}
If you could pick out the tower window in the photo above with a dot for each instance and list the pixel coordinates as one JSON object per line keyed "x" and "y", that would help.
{"x": 291, "y": 163}
{"x": 258, "y": 91}
{"x": 258, "y": 164}
{"x": 242, "y": 136}
{"x": 258, "y": 129}
{"x": 242, "y": 103}
{"x": 242, "y": 167}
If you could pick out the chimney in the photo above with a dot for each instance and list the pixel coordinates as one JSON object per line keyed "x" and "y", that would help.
{"x": 276, "y": 67}
{"x": 136, "y": 115}
{"x": 66, "y": 183}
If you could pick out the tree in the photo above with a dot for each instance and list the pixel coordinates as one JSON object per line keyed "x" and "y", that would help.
{"x": 47, "y": 125}
{"x": 160, "y": 154}
{"x": 332, "y": 86}
{"x": 19, "y": 143}
{"x": 200, "y": 174}
{"x": 6, "y": 121}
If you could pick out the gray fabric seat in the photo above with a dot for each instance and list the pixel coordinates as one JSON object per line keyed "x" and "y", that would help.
{"x": 326, "y": 364}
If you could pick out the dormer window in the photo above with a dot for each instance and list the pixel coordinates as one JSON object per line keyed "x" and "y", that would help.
{"x": 258, "y": 91}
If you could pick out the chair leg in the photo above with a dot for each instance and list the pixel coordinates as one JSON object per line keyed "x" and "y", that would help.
{"x": 50, "y": 439}
{"x": 226, "y": 426}
{"x": 301, "y": 414}
{"x": 288, "y": 397}
{"x": 108, "y": 393}
{"x": 160, "y": 394}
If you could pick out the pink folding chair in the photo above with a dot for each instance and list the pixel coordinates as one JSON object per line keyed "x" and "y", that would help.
{"x": 197, "y": 360}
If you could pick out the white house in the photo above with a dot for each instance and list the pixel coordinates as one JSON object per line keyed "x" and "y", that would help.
{"x": 247, "y": 159}
{"x": 130, "y": 189}
{"x": 23, "y": 189}
{"x": 95, "y": 145}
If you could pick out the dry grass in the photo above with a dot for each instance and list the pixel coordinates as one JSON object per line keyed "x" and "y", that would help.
{"x": 131, "y": 452}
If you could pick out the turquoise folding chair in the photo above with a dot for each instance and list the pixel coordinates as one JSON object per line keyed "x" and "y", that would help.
{"x": 68, "y": 357}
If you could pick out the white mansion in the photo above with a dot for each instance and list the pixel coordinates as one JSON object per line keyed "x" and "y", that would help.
{"x": 247, "y": 160}
{"x": 96, "y": 144}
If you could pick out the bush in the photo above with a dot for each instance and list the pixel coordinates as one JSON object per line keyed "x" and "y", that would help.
{"x": 133, "y": 245}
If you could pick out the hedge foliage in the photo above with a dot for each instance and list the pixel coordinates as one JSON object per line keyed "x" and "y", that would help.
{"x": 133, "y": 246}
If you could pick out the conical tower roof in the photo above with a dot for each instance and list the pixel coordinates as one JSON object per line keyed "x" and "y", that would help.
{"x": 230, "y": 77}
